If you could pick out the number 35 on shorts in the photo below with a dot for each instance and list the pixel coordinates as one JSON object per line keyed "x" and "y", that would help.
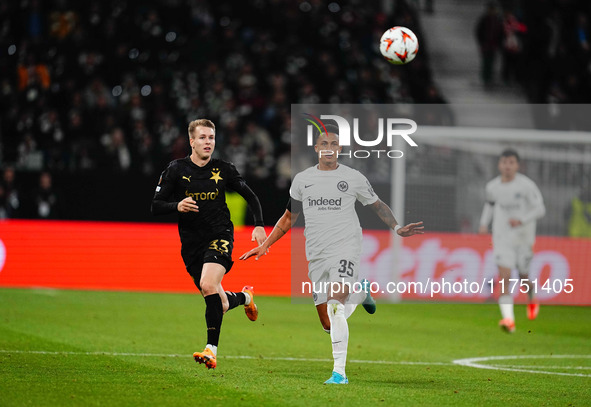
{"x": 220, "y": 245}
{"x": 346, "y": 268}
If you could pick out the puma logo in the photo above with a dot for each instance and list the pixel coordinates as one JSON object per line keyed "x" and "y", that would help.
{"x": 187, "y": 178}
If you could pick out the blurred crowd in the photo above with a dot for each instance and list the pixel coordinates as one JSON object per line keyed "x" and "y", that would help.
{"x": 111, "y": 85}
{"x": 544, "y": 45}
{"x": 36, "y": 201}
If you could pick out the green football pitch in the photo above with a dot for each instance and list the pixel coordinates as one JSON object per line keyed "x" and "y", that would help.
{"x": 89, "y": 348}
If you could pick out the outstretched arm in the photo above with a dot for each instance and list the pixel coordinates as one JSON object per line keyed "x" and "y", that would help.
{"x": 281, "y": 227}
{"x": 258, "y": 233}
{"x": 386, "y": 215}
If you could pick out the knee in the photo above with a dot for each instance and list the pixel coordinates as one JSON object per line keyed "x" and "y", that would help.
{"x": 340, "y": 297}
{"x": 208, "y": 288}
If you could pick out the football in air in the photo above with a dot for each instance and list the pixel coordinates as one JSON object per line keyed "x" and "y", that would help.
{"x": 399, "y": 45}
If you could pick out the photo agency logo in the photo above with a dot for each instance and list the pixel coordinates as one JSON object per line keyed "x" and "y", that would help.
{"x": 388, "y": 128}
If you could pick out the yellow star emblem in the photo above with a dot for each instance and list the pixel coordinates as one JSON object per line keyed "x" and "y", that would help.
{"x": 216, "y": 175}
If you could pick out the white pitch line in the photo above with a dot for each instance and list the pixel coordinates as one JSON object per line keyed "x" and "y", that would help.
{"x": 545, "y": 367}
{"x": 43, "y": 352}
{"x": 468, "y": 362}
{"x": 475, "y": 362}
{"x": 166, "y": 355}
{"x": 514, "y": 357}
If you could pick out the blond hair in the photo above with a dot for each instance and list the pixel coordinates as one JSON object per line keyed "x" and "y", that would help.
{"x": 200, "y": 122}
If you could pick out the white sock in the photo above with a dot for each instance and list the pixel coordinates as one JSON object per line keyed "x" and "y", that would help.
{"x": 214, "y": 349}
{"x": 349, "y": 309}
{"x": 247, "y": 296}
{"x": 357, "y": 298}
{"x": 339, "y": 334}
{"x": 506, "y": 306}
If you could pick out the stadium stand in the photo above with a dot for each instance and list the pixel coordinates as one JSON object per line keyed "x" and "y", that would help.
{"x": 98, "y": 92}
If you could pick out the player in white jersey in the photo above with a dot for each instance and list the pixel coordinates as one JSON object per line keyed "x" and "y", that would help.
{"x": 514, "y": 203}
{"x": 326, "y": 193}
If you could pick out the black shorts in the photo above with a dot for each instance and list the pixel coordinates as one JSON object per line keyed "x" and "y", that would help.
{"x": 217, "y": 250}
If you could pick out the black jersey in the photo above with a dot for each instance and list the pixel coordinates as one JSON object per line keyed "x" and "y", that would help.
{"x": 207, "y": 186}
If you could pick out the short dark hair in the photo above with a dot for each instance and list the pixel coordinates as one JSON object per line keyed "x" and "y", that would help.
{"x": 200, "y": 122}
{"x": 509, "y": 152}
{"x": 330, "y": 128}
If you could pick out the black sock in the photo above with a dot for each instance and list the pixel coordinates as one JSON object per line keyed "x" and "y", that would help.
{"x": 235, "y": 299}
{"x": 214, "y": 313}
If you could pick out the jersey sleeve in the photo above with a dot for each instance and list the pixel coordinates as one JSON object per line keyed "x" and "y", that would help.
{"x": 235, "y": 180}
{"x": 295, "y": 191}
{"x": 487, "y": 210}
{"x": 534, "y": 199}
{"x": 364, "y": 191}
{"x": 162, "y": 202}
{"x": 487, "y": 214}
{"x": 238, "y": 184}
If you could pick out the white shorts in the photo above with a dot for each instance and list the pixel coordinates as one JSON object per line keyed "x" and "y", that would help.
{"x": 514, "y": 257}
{"x": 328, "y": 275}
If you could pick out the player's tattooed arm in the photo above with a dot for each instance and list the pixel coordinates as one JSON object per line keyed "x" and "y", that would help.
{"x": 386, "y": 215}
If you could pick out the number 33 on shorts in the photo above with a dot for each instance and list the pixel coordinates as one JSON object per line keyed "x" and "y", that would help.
{"x": 220, "y": 245}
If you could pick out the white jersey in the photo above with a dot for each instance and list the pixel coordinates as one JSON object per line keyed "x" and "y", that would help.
{"x": 328, "y": 202}
{"x": 518, "y": 199}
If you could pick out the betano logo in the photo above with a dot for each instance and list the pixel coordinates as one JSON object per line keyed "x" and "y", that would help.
{"x": 389, "y": 126}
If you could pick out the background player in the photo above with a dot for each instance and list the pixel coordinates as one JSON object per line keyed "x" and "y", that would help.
{"x": 195, "y": 187}
{"x": 326, "y": 193}
{"x": 514, "y": 203}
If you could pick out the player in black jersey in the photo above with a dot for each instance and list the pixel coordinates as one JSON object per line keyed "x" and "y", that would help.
{"x": 195, "y": 187}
